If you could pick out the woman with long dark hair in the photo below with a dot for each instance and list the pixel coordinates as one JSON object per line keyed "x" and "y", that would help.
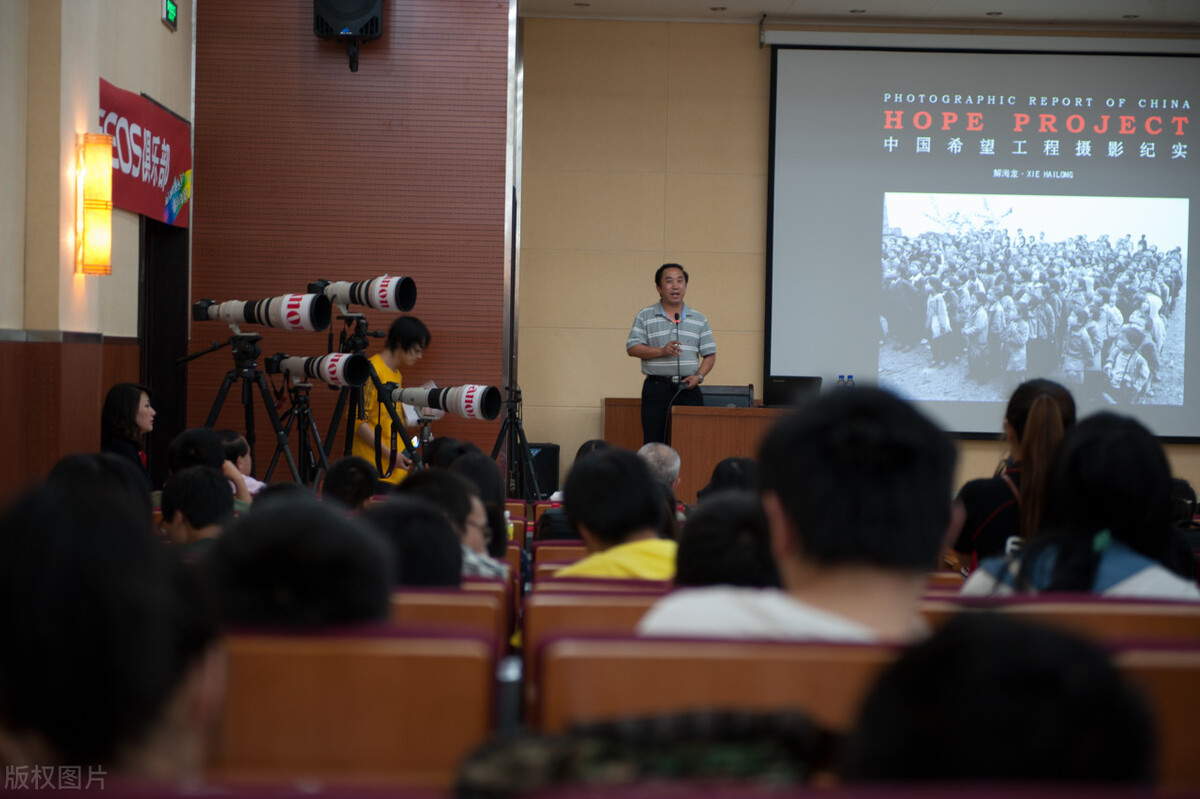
{"x": 1006, "y": 509}
{"x": 1107, "y": 526}
{"x": 125, "y": 420}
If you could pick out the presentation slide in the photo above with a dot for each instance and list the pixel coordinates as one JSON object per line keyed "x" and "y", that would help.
{"x": 949, "y": 223}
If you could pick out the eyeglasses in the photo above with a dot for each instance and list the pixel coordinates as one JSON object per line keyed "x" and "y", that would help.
{"x": 484, "y": 528}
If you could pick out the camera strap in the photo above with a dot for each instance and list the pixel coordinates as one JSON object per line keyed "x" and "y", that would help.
{"x": 379, "y": 449}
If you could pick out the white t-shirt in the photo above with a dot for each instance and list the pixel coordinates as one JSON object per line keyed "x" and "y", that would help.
{"x": 752, "y": 613}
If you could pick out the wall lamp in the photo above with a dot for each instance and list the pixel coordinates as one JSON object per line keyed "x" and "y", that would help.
{"x": 93, "y": 204}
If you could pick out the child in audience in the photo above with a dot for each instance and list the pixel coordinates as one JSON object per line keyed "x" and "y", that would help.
{"x": 237, "y": 452}
{"x": 201, "y": 446}
{"x": 1107, "y": 522}
{"x": 196, "y": 505}
{"x": 351, "y": 482}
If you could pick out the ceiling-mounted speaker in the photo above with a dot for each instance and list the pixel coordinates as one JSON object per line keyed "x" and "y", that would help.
{"x": 350, "y": 21}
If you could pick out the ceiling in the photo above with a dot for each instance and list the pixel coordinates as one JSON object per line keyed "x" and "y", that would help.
{"x": 1141, "y": 16}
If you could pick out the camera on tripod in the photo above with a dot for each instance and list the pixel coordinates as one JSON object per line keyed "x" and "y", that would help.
{"x": 337, "y": 369}
{"x": 288, "y": 311}
{"x": 383, "y": 293}
{"x": 469, "y": 401}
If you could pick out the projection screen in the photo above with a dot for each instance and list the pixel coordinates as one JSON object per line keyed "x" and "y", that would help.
{"x": 948, "y": 222}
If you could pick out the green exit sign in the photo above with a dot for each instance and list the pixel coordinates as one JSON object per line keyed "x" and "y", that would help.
{"x": 170, "y": 15}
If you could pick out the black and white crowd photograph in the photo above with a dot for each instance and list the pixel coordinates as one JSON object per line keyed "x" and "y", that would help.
{"x": 981, "y": 292}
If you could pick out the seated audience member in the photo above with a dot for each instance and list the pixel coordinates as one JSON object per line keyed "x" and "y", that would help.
{"x": 485, "y": 475}
{"x": 1107, "y": 522}
{"x": 300, "y": 564}
{"x": 726, "y": 543}
{"x": 731, "y": 473}
{"x": 664, "y": 464}
{"x": 1187, "y": 530}
{"x": 110, "y": 663}
{"x": 444, "y": 451}
{"x": 456, "y": 497}
{"x": 196, "y": 506}
{"x": 284, "y": 492}
{"x": 426, "y": 548}
{"x": 1004, "y": 510}
{"x": 616, "y": 505}
{"x": 200, "y": 446}
{"x": 125, "y": 420}
{"x": 553, "y": 526}
{"x": 1183, "y": 504}
{"x": 1034, "y": 705}
{"x": 105, "y": 472}
{"x": 856, "y": 491}
{"x": 351, "y": 482}
{"x": 237, "y": 452}
{"x": 586, "y": 448}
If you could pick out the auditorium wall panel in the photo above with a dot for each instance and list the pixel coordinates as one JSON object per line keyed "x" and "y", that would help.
{"x": 690, "y": 187}
{"x": 306, "y": 170}
{"x": 52, "y": 399}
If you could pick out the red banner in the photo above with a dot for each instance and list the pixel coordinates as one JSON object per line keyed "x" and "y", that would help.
{"x": 152, "y": 155}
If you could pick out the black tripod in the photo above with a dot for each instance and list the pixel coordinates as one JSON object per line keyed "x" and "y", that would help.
{"x": 313, "y": 462}
{"x": 353, "y": 340}
{"x": 245, "y": 354}
{"x": 521, "y": 480}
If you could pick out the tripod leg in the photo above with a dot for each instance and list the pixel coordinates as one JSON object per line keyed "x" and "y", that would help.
{"x": 337, "y": 417}
{"x": 219, "y": 402}
{"x": 276, "y": 425}
{"x": 290, "y": 415}
{"x": 322, "y": 460}
{"x": 532, "y": 491}
{"x": 510, "y": 477}
{"x": 353, "y": 417}
{"x": 248, "y": 407}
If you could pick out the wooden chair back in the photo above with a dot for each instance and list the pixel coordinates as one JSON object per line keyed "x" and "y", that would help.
{"x": 558, "y": 552}
{"x": 368, "y": 709}
{"x": 1170, "y": 681}
{"x": 548, "y": 615}
{"x": 516, "y": 508}
{"x": 585, "y": 680}
{"x": 475, "y": 611}
{"x": 1098, "y": 618}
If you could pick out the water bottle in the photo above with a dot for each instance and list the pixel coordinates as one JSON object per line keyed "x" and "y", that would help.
{"x": 841, "y": 381}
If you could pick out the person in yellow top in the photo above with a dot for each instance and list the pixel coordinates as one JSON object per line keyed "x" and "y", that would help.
{"x": 617, "y": 507}
{"x": 406, "y": 342}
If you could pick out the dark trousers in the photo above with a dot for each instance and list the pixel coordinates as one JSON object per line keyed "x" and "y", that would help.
{"x": 656, "y": 397}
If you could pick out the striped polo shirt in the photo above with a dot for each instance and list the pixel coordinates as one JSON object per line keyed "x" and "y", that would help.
{"x": 652, "y": 326}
